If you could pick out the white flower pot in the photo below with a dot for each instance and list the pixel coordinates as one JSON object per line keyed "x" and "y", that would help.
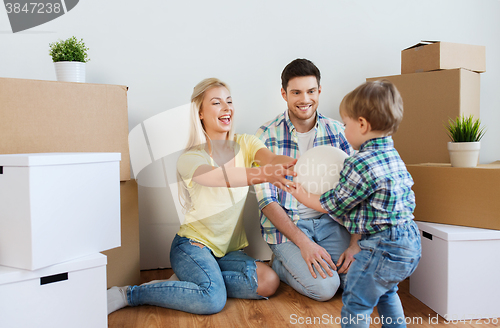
{"x": 464, "y": 154}
{"x": 70, "y": 71}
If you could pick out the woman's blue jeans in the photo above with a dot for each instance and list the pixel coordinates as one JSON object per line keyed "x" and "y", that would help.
{"x": 385, "y": 259}
{"x": 205, "y": 280}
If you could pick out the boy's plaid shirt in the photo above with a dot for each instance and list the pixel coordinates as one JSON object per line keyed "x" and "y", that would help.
{"x": 280, "y": 136}
{"x": 374, "y": 190}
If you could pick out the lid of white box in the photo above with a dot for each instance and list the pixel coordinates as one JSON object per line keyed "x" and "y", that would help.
{"x": 457, "y": 233}
{"x": 41, "y": 159}
{"x": 10, "y": 275}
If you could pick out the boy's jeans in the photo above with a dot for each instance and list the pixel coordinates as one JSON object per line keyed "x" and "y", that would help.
{"x": 385, "y": 259}
{"x": 206, "y": 281}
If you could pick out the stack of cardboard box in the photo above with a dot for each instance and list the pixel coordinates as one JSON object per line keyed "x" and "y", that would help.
{"x": 440, "y": 81}
{"x": 75, "y": 127}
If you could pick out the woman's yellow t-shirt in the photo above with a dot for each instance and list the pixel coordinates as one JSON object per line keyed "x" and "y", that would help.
{"x": 216, "y": 219}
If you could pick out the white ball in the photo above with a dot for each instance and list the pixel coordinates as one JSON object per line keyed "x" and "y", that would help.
{"x": 318, "y": 170}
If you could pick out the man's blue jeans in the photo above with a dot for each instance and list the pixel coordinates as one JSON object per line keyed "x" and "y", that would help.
{"x": 385, "y": 259}
{"x": 205, "y": 280}
{"x": 293, "y": 270}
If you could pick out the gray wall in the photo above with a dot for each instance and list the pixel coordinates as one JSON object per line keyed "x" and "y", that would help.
{"x": 161, "y": 49}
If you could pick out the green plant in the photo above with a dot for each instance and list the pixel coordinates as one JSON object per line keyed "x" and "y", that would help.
{"x": 465, "y": 129}
{"x": 69, "y": 50}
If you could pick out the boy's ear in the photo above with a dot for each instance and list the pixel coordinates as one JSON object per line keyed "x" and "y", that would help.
{"x": 283, "y": 94}
{"x": 364, "y": 126}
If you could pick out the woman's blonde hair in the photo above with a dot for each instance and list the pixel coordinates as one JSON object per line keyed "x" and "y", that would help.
{"x": 379, "y": 102}
{"x": 198, "y": 137}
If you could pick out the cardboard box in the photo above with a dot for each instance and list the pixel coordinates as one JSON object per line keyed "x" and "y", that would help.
{"x": 434, "y": 55}
{"x": 49, "y": 116}
{"x": 124, "y": 261}
{"x": 430, "y": 100}
{"x": 58, "y": 207}
{"x": 458, "y": 196}
{"x": 70, "y": 294}
{"x": 457, "y": 276}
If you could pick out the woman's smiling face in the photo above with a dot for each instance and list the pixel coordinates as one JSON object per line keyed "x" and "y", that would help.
{"x": 216, "y": 112}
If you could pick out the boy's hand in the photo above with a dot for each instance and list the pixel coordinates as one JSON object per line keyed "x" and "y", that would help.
{"x": 347, "y": 257}
{"x": 307, "y": 199}
{"x": 297, "y": 191}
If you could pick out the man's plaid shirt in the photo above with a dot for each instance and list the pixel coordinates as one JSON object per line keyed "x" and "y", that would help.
{"x": 374, "y": 190}
{"x": 280, "y": 136}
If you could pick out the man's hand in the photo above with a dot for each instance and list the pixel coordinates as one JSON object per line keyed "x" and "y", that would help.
{"x": 317, "y": 257}
{"x": 312, "y": 253}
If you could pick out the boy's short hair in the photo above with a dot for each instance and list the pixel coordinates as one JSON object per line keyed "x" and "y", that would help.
{"x": 379, "y": 102}
{"x": 299, "y": 67}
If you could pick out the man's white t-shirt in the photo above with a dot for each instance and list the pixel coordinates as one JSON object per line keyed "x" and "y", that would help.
{"x": 306, "y": 142}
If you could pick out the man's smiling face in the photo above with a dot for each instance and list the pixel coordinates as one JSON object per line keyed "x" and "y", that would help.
{"x": 302, "y": 95}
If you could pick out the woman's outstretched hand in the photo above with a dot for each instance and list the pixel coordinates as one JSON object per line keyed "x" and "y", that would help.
{"x": 276, "y": 173}
{"x": 280, "y": 173}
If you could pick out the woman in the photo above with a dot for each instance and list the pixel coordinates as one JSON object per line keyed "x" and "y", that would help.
{"x": 214, "y": 174}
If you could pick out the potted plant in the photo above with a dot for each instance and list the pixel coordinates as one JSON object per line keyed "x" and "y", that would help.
{"x": 69, "y": 57}
{"x": 465, "y": 133}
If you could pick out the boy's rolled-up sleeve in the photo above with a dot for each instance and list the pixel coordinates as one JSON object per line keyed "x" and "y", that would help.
{"x": 351, "y": 190}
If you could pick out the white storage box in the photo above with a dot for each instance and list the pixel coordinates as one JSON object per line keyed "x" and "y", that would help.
{"x": 458, "y": 274}
{"x": 57, "y": 207}
{"x": 70, "y": 294}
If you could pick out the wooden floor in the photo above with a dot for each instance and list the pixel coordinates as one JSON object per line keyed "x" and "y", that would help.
{"x": 286, "y": 308}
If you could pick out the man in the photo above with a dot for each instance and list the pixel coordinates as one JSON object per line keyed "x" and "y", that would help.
{"x": 304, "y": 242}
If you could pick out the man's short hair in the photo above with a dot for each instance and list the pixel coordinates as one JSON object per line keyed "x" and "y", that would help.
{"x": 379, "y": 102}
{"x": 299, "y": 67}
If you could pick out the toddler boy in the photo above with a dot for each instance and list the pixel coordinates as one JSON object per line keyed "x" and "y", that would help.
{"x": 373, "y": 199}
